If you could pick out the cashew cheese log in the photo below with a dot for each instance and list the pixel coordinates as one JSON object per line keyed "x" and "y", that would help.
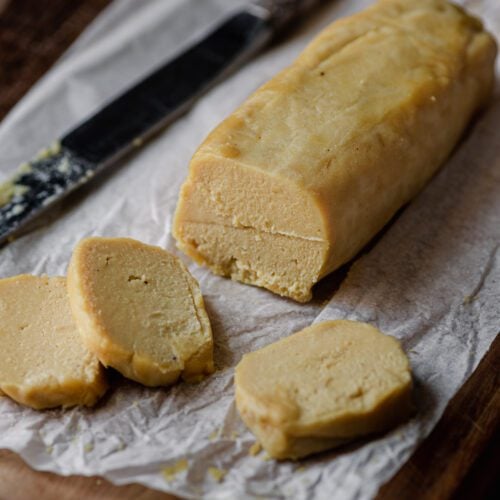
{"x": 301, "y": 176}
{"x": 323, "y": 386}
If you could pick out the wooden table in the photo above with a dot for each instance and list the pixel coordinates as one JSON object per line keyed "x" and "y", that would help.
{"x": 461, "y": 457}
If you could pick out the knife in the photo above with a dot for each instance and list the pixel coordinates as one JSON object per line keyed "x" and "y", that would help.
{"x": 129, "y": 120}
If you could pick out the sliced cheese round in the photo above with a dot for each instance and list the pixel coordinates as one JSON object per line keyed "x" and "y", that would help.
{"x": 323, "y": 386}
{"x": 140, "y": 311}
{"x": 43, "y": 362}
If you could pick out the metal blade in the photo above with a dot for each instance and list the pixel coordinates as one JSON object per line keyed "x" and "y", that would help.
{"x": 169, "y": 91}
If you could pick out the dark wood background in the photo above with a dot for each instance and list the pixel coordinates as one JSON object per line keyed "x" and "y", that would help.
{"x": 461, "y": 457}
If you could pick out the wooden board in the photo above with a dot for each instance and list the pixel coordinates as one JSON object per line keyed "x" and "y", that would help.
{"x": 459, "y": 459}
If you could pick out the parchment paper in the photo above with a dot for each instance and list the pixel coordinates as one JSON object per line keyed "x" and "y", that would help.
{"x": 432, "y": 280}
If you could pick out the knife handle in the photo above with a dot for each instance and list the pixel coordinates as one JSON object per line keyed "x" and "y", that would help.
{"x": 282, "y": 12}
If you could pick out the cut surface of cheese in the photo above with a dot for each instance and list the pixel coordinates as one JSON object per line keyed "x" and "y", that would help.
{"x": 43, "y": 362}
{"x": 140, "y": 311}
{"x": 323, "y": 386}
{"x": 306, "y": 171}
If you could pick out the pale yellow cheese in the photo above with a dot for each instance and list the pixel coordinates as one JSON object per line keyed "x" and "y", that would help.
{"x": 140, "y": 311}
{"x": 323, "y": 386}
{"x": 302, "y": 175}
{"x": 43, "y": 362}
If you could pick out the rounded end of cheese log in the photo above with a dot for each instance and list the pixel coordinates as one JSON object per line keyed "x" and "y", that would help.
{"x": 307, "y": 170}
{"x": 140, "y": 311}
{"x": 323, "y": 386}
{"x": 251, "y": 227}
{"x": 43, "y": 362}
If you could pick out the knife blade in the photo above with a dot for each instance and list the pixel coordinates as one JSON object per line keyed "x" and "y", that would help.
{"x": 125, "y": 123}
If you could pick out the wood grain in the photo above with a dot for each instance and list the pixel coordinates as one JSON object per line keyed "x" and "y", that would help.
{"x": 439, "y": 466}
{"x": 33, "y": 35}
{"x": 454, "y": 461}
{"x": 19, "y": 482}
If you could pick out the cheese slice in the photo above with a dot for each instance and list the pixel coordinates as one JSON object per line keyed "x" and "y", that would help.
{"x": 322, "y": 387}
{"x": 140, "y": 311}
{"x": 43, "y": 362}
{"x": 306, "y": 171}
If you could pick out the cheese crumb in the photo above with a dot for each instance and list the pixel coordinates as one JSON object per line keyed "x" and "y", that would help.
{"x": 214, "y": 435}
{"x": 64, "y": 167}
{"x": 24, "y": 168}
{"x": 217, "y": 474}
{"x": 44, "y": 153}
{"x": 171, "y": 471}
{"x": 255, "y": 449}
{"x": 88, "y": 447}
{"x": 16, "y": 210}
{"x": 55, "y": 148}
{"x": 6, "y": 192}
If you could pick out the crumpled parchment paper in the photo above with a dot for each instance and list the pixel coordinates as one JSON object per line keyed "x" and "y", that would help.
{"x": 432, "y": 279}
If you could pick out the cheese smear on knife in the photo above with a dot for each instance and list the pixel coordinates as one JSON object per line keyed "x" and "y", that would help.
{"x": 43, "y": 362}
{"x": 323, "y": 386}
{"x": 306, "y": 171}
{"x": 140, "y": 311}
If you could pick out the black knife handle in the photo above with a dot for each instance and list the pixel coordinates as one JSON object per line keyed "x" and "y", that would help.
{"x": 282, "y": 12}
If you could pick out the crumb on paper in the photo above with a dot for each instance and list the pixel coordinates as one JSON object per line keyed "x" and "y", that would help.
{"x": 195, "y": 379}
{"x": 217, "y": 474}
{"x": 468, "y": 299}
{"x": 49, "y": 450}
{"x": 235, "y": 435}
{"x": 88, "y": 447}
{"x": 266, "y": 457}
{"x": 214, "y": 435}
{"x": 255, "y": 449}
{"x": 170, "y": 471}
